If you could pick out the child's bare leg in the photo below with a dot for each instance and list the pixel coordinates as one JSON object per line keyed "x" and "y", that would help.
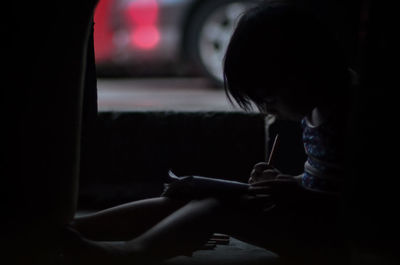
{"x": 180, "y": 233}
{"x": 126, "y": 221}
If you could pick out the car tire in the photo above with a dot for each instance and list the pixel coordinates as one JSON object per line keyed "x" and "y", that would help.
{"x": 209, "y": 32}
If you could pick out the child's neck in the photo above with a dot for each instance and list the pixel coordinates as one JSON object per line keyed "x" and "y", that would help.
{"x": 316, "y": 117}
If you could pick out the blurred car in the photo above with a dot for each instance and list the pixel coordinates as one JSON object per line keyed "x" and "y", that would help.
{"x": 145, "y": 36}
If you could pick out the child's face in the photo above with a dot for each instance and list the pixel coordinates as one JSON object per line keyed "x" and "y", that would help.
{"x": 280, "y": 108}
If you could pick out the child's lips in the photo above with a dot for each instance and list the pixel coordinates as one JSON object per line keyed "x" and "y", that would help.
{"x": 272, "y": 111}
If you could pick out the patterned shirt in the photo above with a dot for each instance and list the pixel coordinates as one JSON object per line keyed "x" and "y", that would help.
{"x": 324, "y": 146}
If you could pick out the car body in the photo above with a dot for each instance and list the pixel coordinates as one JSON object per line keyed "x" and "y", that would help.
{"x": 181, "y": 36}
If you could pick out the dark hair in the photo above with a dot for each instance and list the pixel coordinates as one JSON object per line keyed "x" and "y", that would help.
{"x": 281, "y": 44}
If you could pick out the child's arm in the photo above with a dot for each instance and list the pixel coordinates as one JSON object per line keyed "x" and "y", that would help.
{"x": 195, "y": 187}
{"x": 263, "y": 172}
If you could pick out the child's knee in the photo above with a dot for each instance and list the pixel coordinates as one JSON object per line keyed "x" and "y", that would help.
{"x": 208, "y": 204}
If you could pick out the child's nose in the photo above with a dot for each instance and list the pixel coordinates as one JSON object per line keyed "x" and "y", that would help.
{"x": 271, "y": 110}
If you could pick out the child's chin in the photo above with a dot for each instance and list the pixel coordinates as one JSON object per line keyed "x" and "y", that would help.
{"x": 288, "y": 117}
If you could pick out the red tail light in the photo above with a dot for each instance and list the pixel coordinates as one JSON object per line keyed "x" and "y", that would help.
{"x": 142, "y": 17}
{"x": 103, "y": 33}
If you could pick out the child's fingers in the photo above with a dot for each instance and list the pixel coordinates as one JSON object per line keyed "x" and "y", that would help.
{"x": 267, "y": 174}
{"x": 274, "y": 182}
{"x": 214, "y": 240}
{"x": 285, "y": 177}
{"x": 220, "y": 239}
{"x": 283, "y": 182}
{"x": 208, "y": 246}
{"x": 253, "y": 179}
{"x": 261, "y": 166}
{"x": 261, "y": 183}
{"x": 254, "y": 174}
{"x": 220, "y": 236}
{"x": 253, "y": 190}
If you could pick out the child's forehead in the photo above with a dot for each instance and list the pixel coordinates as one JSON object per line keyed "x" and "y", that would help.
{"x": 268, "y": 80}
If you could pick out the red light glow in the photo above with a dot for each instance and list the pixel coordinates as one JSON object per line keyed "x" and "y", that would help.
{"x": 145, "y": 37}
{"x": 103, "y": 33}
{"x": 142, "y": 16}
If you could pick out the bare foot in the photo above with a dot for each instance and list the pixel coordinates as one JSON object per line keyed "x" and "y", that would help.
{"x": 78, "y": 250}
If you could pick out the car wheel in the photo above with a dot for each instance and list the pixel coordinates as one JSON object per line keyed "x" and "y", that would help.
{"x": 209, "y": 33}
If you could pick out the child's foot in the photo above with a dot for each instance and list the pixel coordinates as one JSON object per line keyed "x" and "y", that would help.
{"x": 79, "y": 250}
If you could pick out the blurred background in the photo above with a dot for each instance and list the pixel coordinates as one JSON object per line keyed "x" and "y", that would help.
{"x": 163, "y": 54}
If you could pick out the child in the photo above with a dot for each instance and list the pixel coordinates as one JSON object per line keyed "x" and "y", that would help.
{"x": 284, "y": 61}
{"x": 287, "y": 64}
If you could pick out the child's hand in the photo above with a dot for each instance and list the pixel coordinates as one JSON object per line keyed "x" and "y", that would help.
{"x": 178, "y": 188}
{"x": 284, "y": 191}
{"x": 269, "y": 181}
{"x": 263, "y": 172}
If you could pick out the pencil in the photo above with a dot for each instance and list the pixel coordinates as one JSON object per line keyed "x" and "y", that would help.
{"x": 271, "y": 154}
